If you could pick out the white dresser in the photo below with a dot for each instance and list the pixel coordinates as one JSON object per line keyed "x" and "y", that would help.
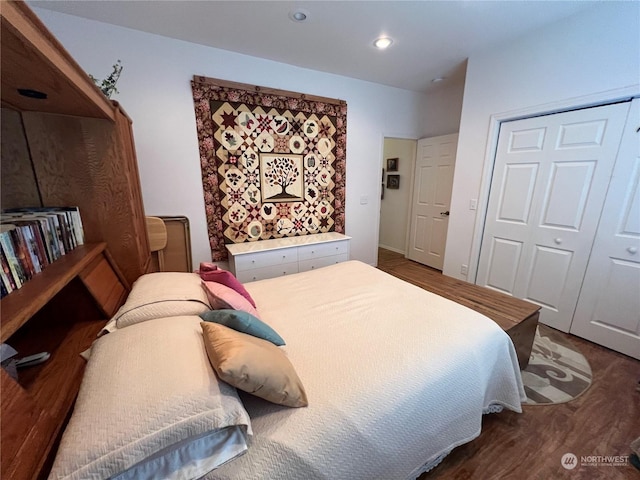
{"x": 284, "y": 256}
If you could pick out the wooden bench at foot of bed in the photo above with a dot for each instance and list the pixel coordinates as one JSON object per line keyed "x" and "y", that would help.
{"x": 517, "y": 317}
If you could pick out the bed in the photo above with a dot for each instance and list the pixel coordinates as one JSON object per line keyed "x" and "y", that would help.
{"x": 395, "y": 377}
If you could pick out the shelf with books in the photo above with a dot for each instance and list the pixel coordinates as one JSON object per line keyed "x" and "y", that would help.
{"x": 59, "y": 311}
{"x": 20, "y": 305}
{"x": 33, "y": 238}
{"x": 74, "y": 147}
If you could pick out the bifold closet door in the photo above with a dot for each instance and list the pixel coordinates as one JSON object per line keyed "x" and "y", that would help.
{"x": 608, "y": 311}
{"x": 550, "y": 179}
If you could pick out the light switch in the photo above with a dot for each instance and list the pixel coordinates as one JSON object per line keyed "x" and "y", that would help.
{"x": 473, "y": 204}
{"x": 364, "y": 199}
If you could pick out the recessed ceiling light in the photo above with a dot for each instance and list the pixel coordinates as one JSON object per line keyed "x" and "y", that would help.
{"x": 382, "y": 42}
{"x": 299, "y": 15}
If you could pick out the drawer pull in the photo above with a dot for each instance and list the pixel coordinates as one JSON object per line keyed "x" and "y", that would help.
{"x": 312, "y": 267}
{"x": 253, "y": 261}
{"x": 254, "y": 278}
{"x": 284, "y": 256}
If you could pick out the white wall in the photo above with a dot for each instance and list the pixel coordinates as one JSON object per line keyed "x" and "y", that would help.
{"x": 156, "y": 93}
{"x": 444, "y": 107}
{"x": 394, "y": 209}
{"x": 583, "y": 56}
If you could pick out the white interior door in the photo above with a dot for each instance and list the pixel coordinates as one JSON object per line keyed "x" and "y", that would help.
{"x": 550, "y": 179}
{"x": 433, "y": 181}
{"x": 608, "y": 310}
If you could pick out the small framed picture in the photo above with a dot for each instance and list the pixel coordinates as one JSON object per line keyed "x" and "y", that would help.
{"x": 393, "y": 181}
{"x": 392, "y": 164}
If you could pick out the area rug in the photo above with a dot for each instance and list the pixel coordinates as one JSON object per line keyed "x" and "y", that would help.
{"x": 557, "y": 371}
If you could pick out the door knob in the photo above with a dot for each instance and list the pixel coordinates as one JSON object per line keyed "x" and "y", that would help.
{"x": 445, "y": 214}
{"x": 557, "y": 240}
{"x": 632, "y": 250}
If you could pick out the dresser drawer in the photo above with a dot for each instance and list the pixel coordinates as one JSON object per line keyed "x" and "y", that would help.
{"x": 265, "y": 259}
{"x": 270, "y": 271}
{"x": 312, "y": 264}
{"x": 307, "y": 252}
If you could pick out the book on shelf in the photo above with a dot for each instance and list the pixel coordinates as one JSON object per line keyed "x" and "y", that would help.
{"x": 33, "y": 238}
{"x": 5, "y": 274}
{"x": 20, "y": 250}
{"x": 7, "y": 247}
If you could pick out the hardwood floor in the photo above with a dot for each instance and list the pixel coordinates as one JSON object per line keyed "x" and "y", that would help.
{"x": 603, "y": 421}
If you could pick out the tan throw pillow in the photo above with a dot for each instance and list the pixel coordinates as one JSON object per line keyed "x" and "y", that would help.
{"x": 253, "y": 365}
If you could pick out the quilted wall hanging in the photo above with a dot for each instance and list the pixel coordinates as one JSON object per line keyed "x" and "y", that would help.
{"x": 273, "y": 162}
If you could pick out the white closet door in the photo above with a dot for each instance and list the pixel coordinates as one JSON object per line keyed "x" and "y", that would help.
{"x": 608, "y": 311}
{"x": 549, "y": 183}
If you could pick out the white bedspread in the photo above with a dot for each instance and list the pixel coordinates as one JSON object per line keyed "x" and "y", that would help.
{"x": 395, "y": 376}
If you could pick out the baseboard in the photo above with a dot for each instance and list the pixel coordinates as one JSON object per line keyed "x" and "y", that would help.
{"x": 397, "y": 250}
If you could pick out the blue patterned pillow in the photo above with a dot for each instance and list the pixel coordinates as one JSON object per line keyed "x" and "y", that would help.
{"x": 243, "y": 322}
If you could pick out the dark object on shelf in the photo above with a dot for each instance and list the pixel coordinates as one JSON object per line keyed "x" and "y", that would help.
{"x": 8, "y": 360}
{"x": 31, "y": 360}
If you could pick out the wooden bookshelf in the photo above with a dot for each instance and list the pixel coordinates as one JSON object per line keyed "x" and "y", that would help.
{"x": 32, "y": 58}
{"x": 74, "y": 147}
{"x": 20, "y": 305}
{"x": 60, "y": 311}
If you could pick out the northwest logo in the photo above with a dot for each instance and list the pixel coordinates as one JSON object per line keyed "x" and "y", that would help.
{"x": 569, "y": 461}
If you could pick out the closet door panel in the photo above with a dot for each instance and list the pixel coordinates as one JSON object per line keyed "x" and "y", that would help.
{"x": 549, "y": 183}
{"x": 608, "y": 310}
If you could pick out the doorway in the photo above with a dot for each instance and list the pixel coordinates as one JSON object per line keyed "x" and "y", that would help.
{"x": 400, "y": 155}
{"x": 417, "y": 179}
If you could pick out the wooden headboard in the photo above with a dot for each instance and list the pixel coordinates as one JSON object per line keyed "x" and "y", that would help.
{"x": 63, "y": 144}
{"x": 77, "y": 293}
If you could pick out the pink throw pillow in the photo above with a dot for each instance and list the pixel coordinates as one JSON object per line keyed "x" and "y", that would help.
{"x": 211, "y": 273}
{"x": 222, "y": 297}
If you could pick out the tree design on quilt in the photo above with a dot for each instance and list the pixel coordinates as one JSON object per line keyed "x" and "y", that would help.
{"x": 281, "y": 172}
{"x": 282, "y": 178}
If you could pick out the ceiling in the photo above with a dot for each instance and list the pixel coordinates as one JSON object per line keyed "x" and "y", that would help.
{"x": 431, "y": 38}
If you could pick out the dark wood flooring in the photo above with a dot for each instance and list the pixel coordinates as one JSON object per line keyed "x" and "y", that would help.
{"x": 603, "y": 421}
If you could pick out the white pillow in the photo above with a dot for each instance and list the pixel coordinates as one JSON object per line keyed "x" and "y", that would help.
{"x": 160, "y": 295}
{"x": 150, "y": 400}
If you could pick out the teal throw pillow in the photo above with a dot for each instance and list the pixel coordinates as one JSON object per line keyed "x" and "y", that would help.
{"x": 243, "y": 322}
